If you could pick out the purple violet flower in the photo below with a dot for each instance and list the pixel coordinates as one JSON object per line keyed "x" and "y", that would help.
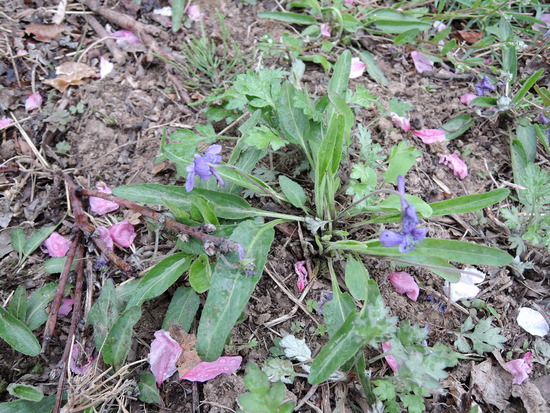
{"x": 410, "y": 235}
{"x": 203, "y": 167}
{"x": 484, "y": 87}
{"x": 543, "y": 119}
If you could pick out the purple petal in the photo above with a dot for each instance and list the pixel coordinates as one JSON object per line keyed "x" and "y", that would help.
{"x": 391, "y": 238}
{"x": 190, "y": 181}
{"x": 218, "y": 177}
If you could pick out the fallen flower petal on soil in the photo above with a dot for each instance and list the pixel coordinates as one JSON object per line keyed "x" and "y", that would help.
{"x": 208, "y": 370}
{"x": 391, "y": 360}
{"x": 465, "y": 288}
{"x": 99, "y": 205}
{"x": 65, "y": 307}
{"x": 357, "y": 68}
{"x": 401, "y": 122}
{"x": 56, "y": 245}
{"x": 164, "y": 11}
{"x": 404, "y": 283}
{"x": 458, "y": 166}
{"x": 421, "y": 62}
{"x": 164, "y": 353}
{"x": 126, "y": 37}
{"x": 301, "y": 271}
{"x": 467, "y": 98}
{"x": 105, "y": 236}
{"x": 34, "y": 101}
{"x": 193, "y": 12}
{"x": 439, "y": 26}
{"x": 123, "y": 233}
{"x": 543, "y": 27}
{"x": 430, "y": 136}
{"x": 5, "y": 122}
{"x": 105, "y": 67}
{"x": 520, "y": 368}
{"x": 325, "y": 30}
{"x": 532, "y": 321}
{"x": 75, "y": 368}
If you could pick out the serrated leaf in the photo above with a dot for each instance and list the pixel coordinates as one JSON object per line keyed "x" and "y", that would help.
{"x": 148, "y": 390}
{"x": 18, "y": 335}
{"x": 262, "y": 137}
{"x": 18, "y": 303}
{"x": 104, "y": 312}
{"x": 182, "y": 309}
{"x": 119, "y": 340}
{"x": 293, "y": 191}
{"x": 200, "y": 274}
{"x": 36, "y": 306}
{"x": 25, "y": 392}
{"x": 295, "y": 348}
{"x": 159, "y": 278}
{"x": 279, "y": 370}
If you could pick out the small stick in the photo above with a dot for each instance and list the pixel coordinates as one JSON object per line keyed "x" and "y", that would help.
{"x": 118, "y": 55}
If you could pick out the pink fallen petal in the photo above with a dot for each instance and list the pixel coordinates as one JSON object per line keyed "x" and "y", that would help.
{"x": 99, "y": 205}
{"x": 401, "y": 122}
{"x": 34, "y": 101}
{"x": 421, "y": 62}
{"x": 520, "y": 368}
{"x": 164, "y": 353}
{"x": 194, "y": 13}
{"x": 325, "y": 30}
{"x": 459, "y": 168}
{"x": 391, "y": 360}
{"x": 123, "y": 233}
{"x": 208, "y": 370}
{"x": 404, "y": 283}
{"x": 65, "y": 307}
{"x": 126, "y": 37}
{"x": 541, "y": 27}
{"x": 56, "y": 245}
{"x": 301, "y": 271}
{"x": 75, "y": 368}
{"x": 5, "y": 122}
{"x": 105, "y": 67}
{"x": 439, "y": 26}
{"x": 105, "y": 236}
{"x": 349, "y": 1}
{"x": 357, "y": 68}
{"x": 467, "y": 98}
{"x": 430, "y": 136}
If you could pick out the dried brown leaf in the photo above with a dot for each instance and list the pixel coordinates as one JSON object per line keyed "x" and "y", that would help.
{"x": 70, "y": 73}
{"x": 189, "y": 357}
{"x": 468, "y": 36}
{"x": 44, "y": 32}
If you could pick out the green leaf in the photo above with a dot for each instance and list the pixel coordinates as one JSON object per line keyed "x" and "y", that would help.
{"x": 36, "y": 306}
{"x": 25, "y": 392}
{"x": 262, "y": 136}
{"x": 401, "y": 159}
{"x": 337, "y": 310}
{"x": 18, "y": 240}
{"x": 292, "y": 119}
{"x": 356, "y": 278}
{"x": 394, "y": 22}
{"x": 373, "y": 69}
{"x": 119, "y": 340}
{"x": 18, "y": 303}
{"x": 201, "y": 210}
{"x": 55, "y": 265}
{"x": 36, "y": 239}
{"x": 316, "y": 58}
{"x": 457, "y": 126}
{"x": 231, "y": 289}
{"x": 200, "y": 274}
{"x": 408, "y": 36}
{"x": 148, "y": 390}
{"x": 468, "y": 203}
{"x": 340, "y": 76}
{"x": 182, "y": 309}
{"x": 485, "y": 338}
{"x": 292, "y": 191}
{"x": 45, "y": 405}
{"x": 292, "y": 18}
{"x": 104, "y": 312}
{"x": 450, "y": 45}
{"x": 178, "y": 8}
{"x": 17, "y": 335}
{"x": 159, "y": 278}
{"x": 527, "y": 85}
{"x": 484, "y": 101}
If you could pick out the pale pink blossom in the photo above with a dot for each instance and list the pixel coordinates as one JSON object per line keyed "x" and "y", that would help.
{"x": 520, "y": 368}
{"x": 404, "y": 283}
{"x": 34, "y": 101}
{"x": 543, "y": 27}
{"x": 430, "y": 136}
{"x": 5, "y": 122}
{"x": 164, "y": 353}
{"x": 99, "y": 205}
{"x": 208, "y": 370}
{"x": 439, "y": 26}
{"x": 105, "y": 67}
{"x": 65, "y": 307}
{"x": 325, "y": 30}
{"x": 194, "y": 13}
{"x": 301, "y": 271}
{"x": 126, "y": 37}
{"x": 401, "y": 122}
{"x": 391, "y": 360}
{"x": 105, "y": 236}
{"x": 123, "y": 233}
{"x": 75, "y": 355}
{"x": 421, "y": 62}
{"x": 349, "y": 2}
{"x": 467, "y": 98}
{"x": 357, "y": 68}
{"x": 459, "y": 168}
{"x": 56, "y": 245}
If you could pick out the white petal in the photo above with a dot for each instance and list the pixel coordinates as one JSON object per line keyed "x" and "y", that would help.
{"x": 533, "y": 322}
{"x": 473, "y": 276}
{"x": 460, "y": 290}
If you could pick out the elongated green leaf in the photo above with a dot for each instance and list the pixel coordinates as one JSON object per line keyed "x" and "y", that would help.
{"x": 178, "y": 7}
{"x": 105, "y": 312}
{"x": 231, "y": 289}
{"x": 36, "y": 306}
{"x": 200, "y": 274}
{"x": 408, "y": 36}
{"x": 292, "y": 18}
{"x": 373, "y": 69}
{"x": 23, "y": 406}
{"x": 337, "y": 310}
{"x": 201, "y": 210}
{"x": 18, "y": 240}
{"x": 340, "y": 76}
{"x": 159, "y": 278}
{"x": 182, "y": 309}
{"x": 457, "y": 126}
{"x": 148, "y": 390}
{"x": 356, "y": 278}
{"x": 527, "y": 85}
{"x": 247, "y": 181}
{"x": 431, "y": 263}
{"x": 484, "y": 101}
{"x": 25, "y": 392}
{"x": 55, "y": 265}
{"x": 293, "y": 191}
{"x": 18, "y": 303}
{"x": 37, "y": 238}
{"x": 468, "y": 203}
{"x": 17, "y": 335}
{"x": 292, "y": 119}
{"x": 119, "y": 340}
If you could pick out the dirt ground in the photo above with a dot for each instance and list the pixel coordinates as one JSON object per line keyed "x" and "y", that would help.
{"x": 116, "y": 139}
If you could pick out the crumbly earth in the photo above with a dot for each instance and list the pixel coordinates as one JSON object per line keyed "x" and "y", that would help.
{"x": 115, "y": 138}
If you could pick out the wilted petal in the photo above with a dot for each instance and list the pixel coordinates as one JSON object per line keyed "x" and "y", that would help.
{"x": 520, "y": 368}
{"x": 105, "y": 67}
{"x": 126, "y": 37}
{"x": 533, "y": 322}
{"x": 34, "y": 101}
{"x": 105, "y": 236}
{"x": 99, "y": 205}
{"x": 208, "y": 370}
{"x": 194, "y": 13}
{"x": 458, "y": 166}
{"x": 430, "y": 136}
{"x": 357, "y": 68}
{"x": 404, "y": 283}
{"x": 401, "y": 122}
{"x": 465, "y": 288}
{"x": 65, "y": 307}
{"x": 467, "y": 98}
{"x": 325, "y": 30}
{"x": 75, "y": 355}
{"x": 391, "y": 360}
{"x": 349, "y": 1}
{"x": 5, "y": 122}
{"x": 123, "y": 233}
{"x": 56, "y": 245}
{"x": 421, "y": 62}
{"x": 164, "y": 353}
{"x": 301, "y": 271}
